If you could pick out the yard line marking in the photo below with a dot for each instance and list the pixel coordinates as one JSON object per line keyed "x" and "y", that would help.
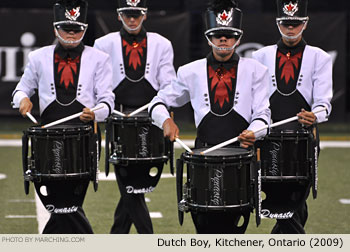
{"x": 345, "y": 201}
{"x": 2, "y": 176}
{"x": 155, "y": 215}
{"x": 10, "y": 143}
{"x": 334, "y": 144}
{"x": 111, "y": 176}
{"x": 20, "y": 216}
{"x": 42, "y": 215}
{"x": 22, "y": 201}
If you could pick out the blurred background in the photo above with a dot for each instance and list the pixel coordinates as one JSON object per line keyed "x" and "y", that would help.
{"x": 27, "y": 25}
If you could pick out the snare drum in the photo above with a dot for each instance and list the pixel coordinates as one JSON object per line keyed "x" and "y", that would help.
{"x": 286, "y": 171}
{"x": 64, "y": 152}
{"x": 218, "y": 181}
{"x": 285, "y": 156}
{"x": 134, "y": 140}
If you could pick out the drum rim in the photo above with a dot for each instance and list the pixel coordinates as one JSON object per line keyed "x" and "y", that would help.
{"x": 300, "y": 132}
{"x": 218, "y": 208}
{"x": 71, "y": 129}
{"x": 248, "y": 154}
{"x": 119, "y": 160}
{"x": 132, "y": 119}
{"x": 45, "y": 176}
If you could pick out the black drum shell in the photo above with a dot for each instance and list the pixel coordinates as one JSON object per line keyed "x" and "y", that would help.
{"x": 136, "y": 140}
{"x": 285, "y": 156}
{"x": 60, "y": 152}
{"x": 220, "y": 180}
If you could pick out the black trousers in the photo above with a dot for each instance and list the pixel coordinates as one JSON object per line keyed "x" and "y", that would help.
{"x": 131, "y": 209}
{"x": 220, "y": 222}
{"x": 294, "y": 225}
{"x": 61, "y": 195}
{"x": 73, "y": 223}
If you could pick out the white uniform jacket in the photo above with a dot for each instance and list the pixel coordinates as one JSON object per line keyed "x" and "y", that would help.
{"x": 314, "y": 80}
{"x": 191, "y": 85}
{"x": 159, "y": 70}
{"x": 95, "y": 78}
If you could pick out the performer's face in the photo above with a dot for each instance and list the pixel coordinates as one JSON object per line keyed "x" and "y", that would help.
{"x": 132, "y": 22}
{"x": 223, "y": 41}
{"x": 70, "y": 36}
{"x": 291, "y": 31}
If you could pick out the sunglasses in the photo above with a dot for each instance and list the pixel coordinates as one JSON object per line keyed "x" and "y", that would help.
{"x": 226, "y": 35}
{"x": 293, "y": 23}
{"x": 70, "y": 28}
{"x": 132, "y": 13}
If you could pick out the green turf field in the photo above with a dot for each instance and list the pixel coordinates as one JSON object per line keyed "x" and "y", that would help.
{"x": 326, "y": 213}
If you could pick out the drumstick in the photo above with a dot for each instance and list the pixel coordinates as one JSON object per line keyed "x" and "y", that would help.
{"x": 183, "y": 145}
{"x": 29, "y": 115}
{"x": 233, "y": 140}
{"x": 138, "y": 110}
{"x": 118, "y": 113}
{"x": 68, "y": 118}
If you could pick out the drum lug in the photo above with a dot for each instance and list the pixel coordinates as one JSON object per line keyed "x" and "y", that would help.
{"x": 182, "y": 206}
{"x": 31, "y": 166}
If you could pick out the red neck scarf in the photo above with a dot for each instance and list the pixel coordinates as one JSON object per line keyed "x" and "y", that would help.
{"x": 221, "y": 79}
{"x": 288, "y": 62}
{"x": 68, "y": 66}
{"x": 135, "y": 50}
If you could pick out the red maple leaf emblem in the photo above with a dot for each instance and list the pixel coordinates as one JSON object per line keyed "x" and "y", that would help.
{"x": 135, "y": 50}
{"x": 221, "y": 80}
{"x": 223, "y": 16}
{"x": 290, "y": 7}
{"x": 288, "y": 62}
{"x": 72, "y": 12}
{"x": 68, "y": 67}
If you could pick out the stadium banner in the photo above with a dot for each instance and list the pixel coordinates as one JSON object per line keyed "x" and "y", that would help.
{"x": 34, "y": 29}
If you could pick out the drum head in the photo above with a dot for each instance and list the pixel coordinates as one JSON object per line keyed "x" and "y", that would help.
{"x": 68, "y": 129}
{"x": 226, "y": 154}
{"x": 139, "y": 118}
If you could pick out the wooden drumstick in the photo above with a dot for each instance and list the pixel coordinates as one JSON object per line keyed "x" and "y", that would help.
{"x": 258, "y": 154}
{"x": 183, "y": 145}
{"x": 233, "y": 140}
{"x": 118, "y": 113}
{"x": 29, "y": 115}
{"x": 178, "y": 140}
{"x": 138, "y": 110}
{"x": 68, "y": 118}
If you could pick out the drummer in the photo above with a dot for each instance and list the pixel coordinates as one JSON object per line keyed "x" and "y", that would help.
{"x": 301, "y": 83}
{"x": 142, "y": 65}
{"x": 67, "y": 84}
{"x": 229, "y": 95}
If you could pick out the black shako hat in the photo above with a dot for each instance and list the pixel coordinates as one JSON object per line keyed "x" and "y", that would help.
{"x": 124, "y": 5}
{"x": 72, "y": 13}
{"x": 292, "y": 10}
{"x": 223, "y": 16}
